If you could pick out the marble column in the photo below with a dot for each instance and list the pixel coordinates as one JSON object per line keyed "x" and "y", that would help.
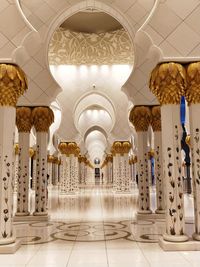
{"x": 56, "y": 162}
{"x": 12, "y": 86}
{"x": 168, "y": 83}
{"x": 140, "y": 116}
{"x": 16, "y": 165}
{"x": 116, "y": 170}
{"x": 159, "y": 175}
{"x": 193, "y": 99}
{"x": 34, "y": 171}
{"x": 127, "y": 174}
{"x": 82, "y": 169}
{"x": 63, "y": 165}
{"x": 110, "y": 160}
{"x": 121, "y": 162}
{"x": 24, "y": 125}
{"x": 50, "y": 159}
{"x": 43, "y": 117}
{"x": 31, "y": 155}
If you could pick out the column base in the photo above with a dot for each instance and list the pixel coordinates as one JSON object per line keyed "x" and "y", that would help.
{"x": 122, "y": 192}
{"x": 68, "y": 193}
{"x": 37, "y": 213}
{"x": 190, "y": 245}
{"x": 144, "y": 211}
{"x": 150, "y": 216}
{"x": 22, "y": 213}
{"x": 175, "y": 238}
{"x": 160, "y": 211}
{"x": 196, "y": 236}
{"x": 31, "y": 218}
{"x": 10, "y": 248}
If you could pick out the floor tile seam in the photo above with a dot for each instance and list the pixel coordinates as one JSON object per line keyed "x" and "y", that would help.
{"x": 105, "y": 241}
{"x": 137, "y": 243}
{"x": 33, "y": 255}
{"x": 74, "y": 243}
{"x": 185, "y": 258}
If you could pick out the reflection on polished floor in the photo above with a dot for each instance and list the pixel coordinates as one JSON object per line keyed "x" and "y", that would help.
{"x": 96, "y": 228}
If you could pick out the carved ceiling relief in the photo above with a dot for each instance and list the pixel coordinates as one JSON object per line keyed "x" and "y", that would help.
{"x": 76, "y": 48}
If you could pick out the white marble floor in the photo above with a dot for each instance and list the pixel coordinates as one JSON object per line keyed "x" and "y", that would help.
{"x": 95, "y": 229}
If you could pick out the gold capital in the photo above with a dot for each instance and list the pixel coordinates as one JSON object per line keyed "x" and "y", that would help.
{"x": 43, "y": 117}
{"x": 193, "y": 83}
{"x": 16, "y": 148}
{"x": 69, "y": 148}
{"x": 109, "y": 158}
{"x": 156, "y": 118}
{"x": 140, "y": 117}
{"x": 13, "y": 84}
{"x": 62, "y": 147}
{"x": 121, "y": 147}
{"x": 50, "y": 158}
{"x": 168, "y": 82}
{"x": 24, "y": 119}
{"x": 31, "y": 152}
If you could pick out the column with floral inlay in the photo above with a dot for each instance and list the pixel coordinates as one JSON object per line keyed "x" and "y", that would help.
{"x": 168, "y": 83}
{"x": 43, "y": 117}
{"x": 74, "y": 170}
{"x": 16, "y": 165}
{"x": 34, "y": 171}
{"x": 117, "y": 165}
{"x": 24, "y": 125}
{"x": 12, "y": 86}
{"x": 193, "y": 99}
{"x": 159, "y": 175}
{"x": 140, "y": 117}
{"x": 63, "y": 165}
{"x": 110, "y": 161}
{"x": 56, "y": 162}
{"x": 126, "y": 178}
{"x": 50, "y": 159}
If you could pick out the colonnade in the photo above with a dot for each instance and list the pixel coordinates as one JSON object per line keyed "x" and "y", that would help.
{"x": 169, "y": 82}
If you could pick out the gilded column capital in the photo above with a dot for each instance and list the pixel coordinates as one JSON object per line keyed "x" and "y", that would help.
{"x": 117, "y": 147}
{"x": 24, "y": 119}
{"x": 43, "y": 117}
{"x": 109, "y": 158}
{"x": 13, "y": 84}
{"x": 156, "y": 118}
{"x": 50, "y": 158}
{"x": 80, "y": 158}
{"x": 135, "y": 159}
{"x": 72, "y": 148}
{"x": 16, "y": 148}
{"x": 126, "y": 146}
{"x": 31, "y": 152}
{"x": 55, "y": 160}
{"x": 62, "y": 147}
{"x": 168, "y": 82}
{"x": 140, "y": 117}
{"x": 193, "y": 83}
{"x": 121, "y": 147}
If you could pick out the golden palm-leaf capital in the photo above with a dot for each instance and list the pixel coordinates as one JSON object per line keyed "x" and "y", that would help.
{"x": 156, "y": 118}
{"x": 140, "y": 117}
{"x": 193, "y": 83}
{"x": 24, "y": 119}
{"x": 43, "y": 117}
{"x": 13, "y": 84}
{"x": 168, "y": 82}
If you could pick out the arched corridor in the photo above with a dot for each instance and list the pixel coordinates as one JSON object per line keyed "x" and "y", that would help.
{"x": 99, "y": 133}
